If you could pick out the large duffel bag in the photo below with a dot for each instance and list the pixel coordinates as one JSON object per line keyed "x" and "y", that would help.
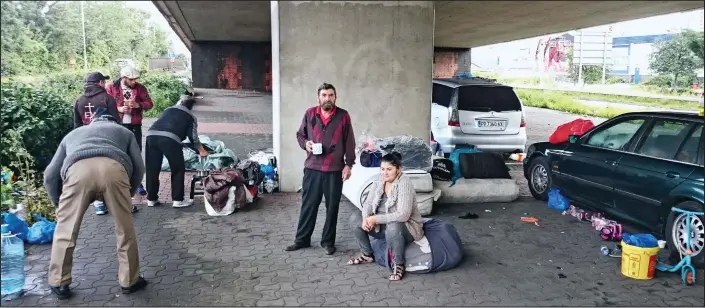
{"x": 440, "y": 249}
{"x": 483, "y": 165}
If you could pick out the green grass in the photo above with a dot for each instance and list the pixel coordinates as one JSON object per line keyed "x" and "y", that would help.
{"x": 555, "y": 100}
{"x": 632, "y": 100}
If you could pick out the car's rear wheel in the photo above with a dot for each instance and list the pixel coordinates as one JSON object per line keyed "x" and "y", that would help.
{"x": 677, "y": 236}
{"x": 539, "y": 178}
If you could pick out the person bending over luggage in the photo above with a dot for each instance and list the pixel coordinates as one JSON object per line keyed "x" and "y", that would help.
{"x": 99, "y": 161}
{"x": 164, "y": 140}
{"x": 390, "y": 213}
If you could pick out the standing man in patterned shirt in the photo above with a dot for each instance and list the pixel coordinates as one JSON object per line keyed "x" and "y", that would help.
{"x": 328, "y": 128}
{"x": 132, "y": 100}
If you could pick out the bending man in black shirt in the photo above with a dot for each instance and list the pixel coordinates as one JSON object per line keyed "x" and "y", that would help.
{"x": 164, "y": 140}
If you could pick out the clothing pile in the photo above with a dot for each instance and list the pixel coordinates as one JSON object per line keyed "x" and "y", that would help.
{"x": 229, "y": 189}
{"x": 218, "y": 156}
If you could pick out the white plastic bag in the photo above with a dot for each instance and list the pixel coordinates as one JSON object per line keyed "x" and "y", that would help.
{"x": 229, "y": 205}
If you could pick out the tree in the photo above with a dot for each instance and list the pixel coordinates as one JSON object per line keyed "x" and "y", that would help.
{"x": 674, "y": 58}
{"x": 696, "y": 43}
{"x": 47, "y": 36}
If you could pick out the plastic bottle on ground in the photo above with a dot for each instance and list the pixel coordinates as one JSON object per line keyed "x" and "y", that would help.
{"x": 13, "y": 275}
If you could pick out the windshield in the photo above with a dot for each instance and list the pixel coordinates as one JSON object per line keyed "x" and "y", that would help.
{"x": 485, "y": 99}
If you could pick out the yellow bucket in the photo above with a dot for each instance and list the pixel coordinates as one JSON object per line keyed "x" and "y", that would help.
{"x": 637, "y": 262}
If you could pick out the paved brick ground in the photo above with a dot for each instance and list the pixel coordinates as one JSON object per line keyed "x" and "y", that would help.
{"x": 192, "y": 259}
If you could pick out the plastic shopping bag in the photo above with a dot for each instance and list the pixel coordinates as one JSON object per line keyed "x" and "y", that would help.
{"x": 42, "y": 231}
{"x": 557, "y": 201}
{"x": 16, "y": 226}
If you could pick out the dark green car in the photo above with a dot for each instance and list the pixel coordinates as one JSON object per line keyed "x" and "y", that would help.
{"x": 634, "y": 168}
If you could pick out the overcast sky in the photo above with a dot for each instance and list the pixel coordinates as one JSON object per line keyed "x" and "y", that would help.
{"x": 645, "y": 26}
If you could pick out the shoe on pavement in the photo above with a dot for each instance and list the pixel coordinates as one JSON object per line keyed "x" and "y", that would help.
{"x": 139, "y": 285}
{"x": 296, "y": 246}
{"x": 62, "y": 293}
{"x": 180, "y": 204}
{"x": 100, "y": 208}
{"x": 141, "y": 191}
{"x": 152, "y": 203}
{"x": 330, "y": 250}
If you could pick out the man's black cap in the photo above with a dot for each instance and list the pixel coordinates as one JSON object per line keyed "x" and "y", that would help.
{"x": 96, "y": 77}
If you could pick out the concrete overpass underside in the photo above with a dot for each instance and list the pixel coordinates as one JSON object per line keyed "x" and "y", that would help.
{"x": 379, "y": 54}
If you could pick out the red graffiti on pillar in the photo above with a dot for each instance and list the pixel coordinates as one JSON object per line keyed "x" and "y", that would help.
{"x": 230, "y": 76}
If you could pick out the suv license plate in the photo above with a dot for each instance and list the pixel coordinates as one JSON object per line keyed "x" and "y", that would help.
{"x": 491, "y": 125}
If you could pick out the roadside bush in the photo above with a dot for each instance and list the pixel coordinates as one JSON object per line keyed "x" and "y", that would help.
{"x": 40, "y": 116}
{"x": 165, "y": 90}
{"x": 560, "y": 102}
{"x": 614, "y": 80}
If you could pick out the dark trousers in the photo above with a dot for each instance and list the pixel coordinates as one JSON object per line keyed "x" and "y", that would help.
{"x": 317, "y": 184}
{"x": 137, "y": 130}
{"x": 158, "y": 147}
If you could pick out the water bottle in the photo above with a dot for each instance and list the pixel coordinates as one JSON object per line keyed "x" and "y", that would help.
{"x": 604, "y": 250}
{"x": 12, "y": 264}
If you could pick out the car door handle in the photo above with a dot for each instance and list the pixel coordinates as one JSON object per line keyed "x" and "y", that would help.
{"x": 673, "y": 175}
{"x": 610, "y": 162}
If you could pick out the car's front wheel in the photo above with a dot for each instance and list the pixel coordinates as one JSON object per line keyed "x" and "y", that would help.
{"x": 539, "y": 178}
{"x": 677, "y": 235}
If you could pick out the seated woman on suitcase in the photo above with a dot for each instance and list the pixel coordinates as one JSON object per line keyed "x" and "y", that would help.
{"x": 164, "y": 139}
{"x": 391, "y": 212}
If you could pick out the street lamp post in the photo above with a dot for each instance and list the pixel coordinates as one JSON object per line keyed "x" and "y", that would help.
{"x": 85, "y": 54}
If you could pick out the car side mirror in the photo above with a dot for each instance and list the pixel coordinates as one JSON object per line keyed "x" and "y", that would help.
{"x": 573, "y": 139}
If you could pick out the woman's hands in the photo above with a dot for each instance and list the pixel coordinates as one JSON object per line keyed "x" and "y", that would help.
{"x": 369, "y": 223}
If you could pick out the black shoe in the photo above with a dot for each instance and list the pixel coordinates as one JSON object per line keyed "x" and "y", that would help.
{"x": 296, "y": 246}
{"x": 135, "y": 209}
{"x": 329, "y": 250}
{"x": 62, "y": 293}
{"x": 139, "y": 285}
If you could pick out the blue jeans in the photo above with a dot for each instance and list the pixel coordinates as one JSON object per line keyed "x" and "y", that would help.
{"x": 396, "y": 234}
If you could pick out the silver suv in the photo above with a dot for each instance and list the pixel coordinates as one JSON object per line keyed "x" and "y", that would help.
{"x": 477, "y": 111}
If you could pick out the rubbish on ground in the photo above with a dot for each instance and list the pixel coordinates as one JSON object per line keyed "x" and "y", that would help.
{"x": 517, "y": 156}
{"x": 268, "y": 166}
{"x": 576, "y": 127}
{"x": 469, "y": 216}
{"x": 562, "y": 276}
{"x": 530, "y": 219}
{"x": 557, "y": 201}
{"x": 643, "y": 240}
{"x": 41, "y": 232}
{"x": 218, "y": 156}
{"x": 604, "y": 250}
{"x": 611, "y": 232}
{"x": 599, "y": 223}
{"x": 488, "y": 211}
{"x": 662, "y": 244}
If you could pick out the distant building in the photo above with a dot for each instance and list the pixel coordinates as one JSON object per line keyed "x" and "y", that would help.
{"x": 630, "y": 53}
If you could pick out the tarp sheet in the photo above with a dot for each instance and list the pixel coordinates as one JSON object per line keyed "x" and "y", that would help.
{"x": 219, "y": 156}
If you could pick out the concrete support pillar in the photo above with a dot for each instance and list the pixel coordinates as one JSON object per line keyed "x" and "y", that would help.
{"x": 449, "y": 62}
{"x": 378, "y": 55}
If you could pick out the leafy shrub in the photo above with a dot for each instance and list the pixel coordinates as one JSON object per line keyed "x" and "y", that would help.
{"x": 42, "y": 117}
{"x": 165, "y": 90}
{"x": 614, "y": 80}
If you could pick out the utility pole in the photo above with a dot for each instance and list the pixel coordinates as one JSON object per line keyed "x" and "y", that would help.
{"x": 85, "y": 53}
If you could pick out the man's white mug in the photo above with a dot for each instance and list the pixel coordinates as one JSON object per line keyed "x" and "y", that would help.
{"x": 317, "y": 149}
